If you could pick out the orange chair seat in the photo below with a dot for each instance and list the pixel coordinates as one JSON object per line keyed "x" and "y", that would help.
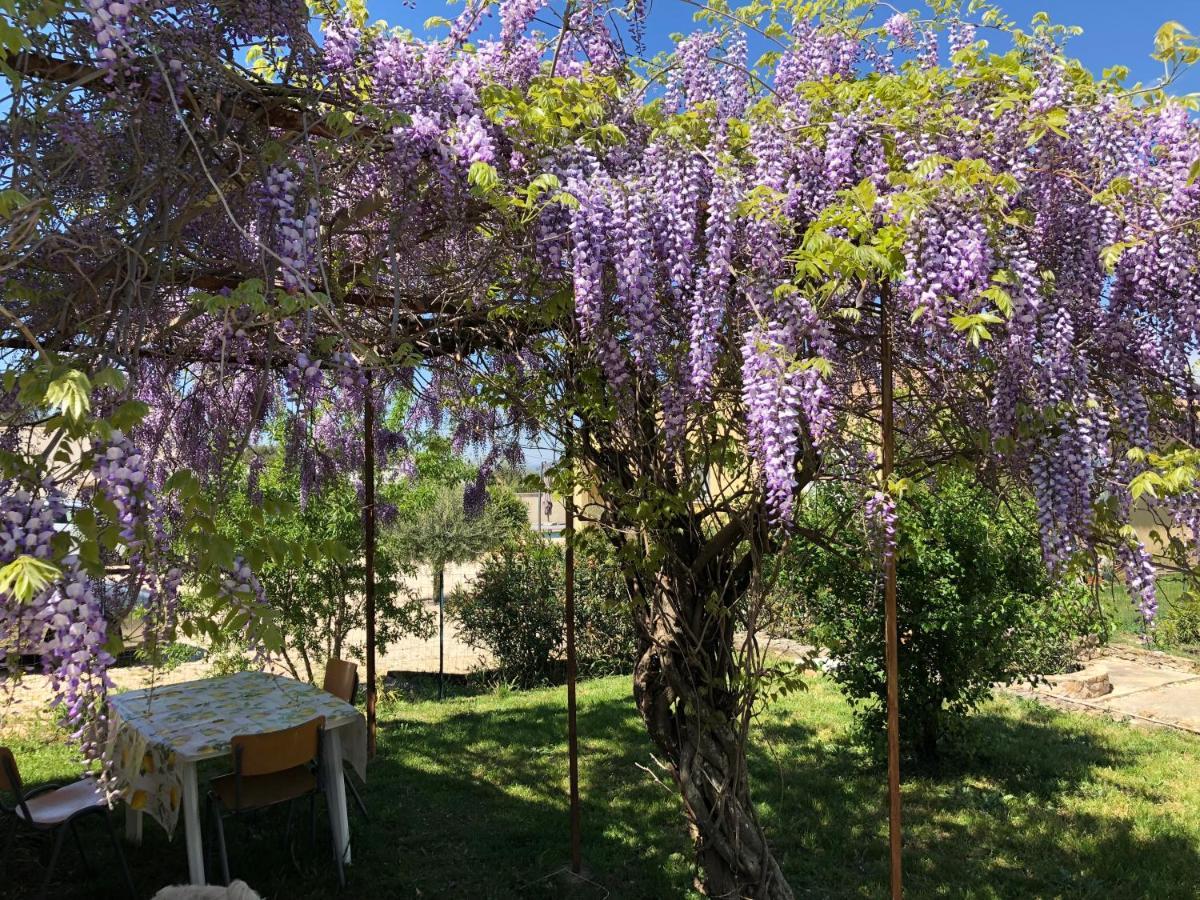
{"x": 60, "y": 804}
{"x": 265, "y": 790}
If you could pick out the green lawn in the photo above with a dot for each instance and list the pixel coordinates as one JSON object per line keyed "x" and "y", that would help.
{"x": 1126, "y": 621}
{"x": 467, "y": 800}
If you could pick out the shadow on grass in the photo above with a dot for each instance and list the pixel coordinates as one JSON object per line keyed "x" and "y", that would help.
{"x": 476, "y": 840}
{"x": 469, "y": 800}
{"x": 1020, "y": 816}
{"x": 470, "y": 804}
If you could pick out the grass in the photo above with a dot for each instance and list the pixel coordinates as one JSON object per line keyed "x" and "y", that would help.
{"x": 467, "y": 799}
{"x": 1126, "y": 621}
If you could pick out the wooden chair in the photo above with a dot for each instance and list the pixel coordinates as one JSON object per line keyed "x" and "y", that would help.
{"x": 54, "y": 809}
{"x": 269, "y": 769}
{"x": 341, "y": 680}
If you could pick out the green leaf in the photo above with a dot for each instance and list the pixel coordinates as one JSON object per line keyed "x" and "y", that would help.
{"x": 114, "y": 645}
{"x": 85, "y": 520}
{"x": 11, "y": 200}
{"x": 26, "y": 577}
{"x": 1193, "y": 173}
{"x": 71, "y": 392}
{"x": 483, "y": 176}
{"x": 1111, "y": 254}
{"x": 184, "y": 482}
{"x": 569, "y": 201}
{"x": 109, "y": 378}
{"x": 1167, "y": 40}
{"x": 544, "y": 182}
{"x": 1144, "y": 483}
{"x": 129, "y": 414}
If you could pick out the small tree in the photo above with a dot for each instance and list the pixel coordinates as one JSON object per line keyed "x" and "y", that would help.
{"x": 313, "y": 576}
{"x": 441, "y": 532}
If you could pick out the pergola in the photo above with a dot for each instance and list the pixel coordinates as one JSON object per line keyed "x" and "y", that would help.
{"x": 395, "y": 314}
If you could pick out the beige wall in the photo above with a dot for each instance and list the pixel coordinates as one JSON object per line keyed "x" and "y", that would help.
{"x": 553, "y": 521}
{"x": 1146, "y": 519}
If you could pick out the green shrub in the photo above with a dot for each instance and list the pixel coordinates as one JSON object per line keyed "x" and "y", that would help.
{"x": 975, "y": 604}
{"x": 512, "y": 609}
{"x": 515, "y": 607}
{"x": 314, "y": 585}
{"x": 1180, "y": 625}
{"x": 604, "y": 638}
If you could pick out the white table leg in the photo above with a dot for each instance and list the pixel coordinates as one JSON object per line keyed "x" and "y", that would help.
{"x": 191, "y": 822}
{"x": 133, "y": 825}
{"x": 335, "y": 785}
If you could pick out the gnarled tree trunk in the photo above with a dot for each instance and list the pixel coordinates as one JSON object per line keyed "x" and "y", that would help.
{"x": 690, "y": 520}
{"x": 689, "y": 690}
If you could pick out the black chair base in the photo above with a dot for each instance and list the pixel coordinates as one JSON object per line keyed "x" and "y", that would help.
{"x": 57, "y": 835}
{"x": 358, "y": 800}
{"x": 217, "y": 815}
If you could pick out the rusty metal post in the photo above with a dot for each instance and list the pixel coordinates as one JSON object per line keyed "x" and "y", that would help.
{"x": 369, "y": 554}
{"x": 572, "y": 733}
{"x": 889, "y": 600}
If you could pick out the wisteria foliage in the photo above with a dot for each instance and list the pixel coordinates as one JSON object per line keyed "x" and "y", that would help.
{"x": 728, "y": 230}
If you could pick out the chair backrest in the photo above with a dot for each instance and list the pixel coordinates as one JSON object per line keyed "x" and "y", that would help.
{"x": 275, "y": 751}
{"x": 341, "y": 679}
{"x": 10, "y": 777}
{"x": 10, "y": 781}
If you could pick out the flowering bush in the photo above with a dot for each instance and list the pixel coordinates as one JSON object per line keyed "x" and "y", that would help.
{"x": 976, "y": 606}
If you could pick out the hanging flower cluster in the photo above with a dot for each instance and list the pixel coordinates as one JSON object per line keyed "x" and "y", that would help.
{"x": 880, "y": 510}
{"x": 297, "y": 227}
{"x": 64, "y": 624}
{"x": 120, "y": 473}
{"x": 109, "y": 21}
{"x": 75, "y": 657}
{"x": 243, "y": 594}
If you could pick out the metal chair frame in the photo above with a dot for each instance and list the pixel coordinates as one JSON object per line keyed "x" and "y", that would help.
{"x": 358, "y": 800}
{"x": 217, "y": 811}
{"x": 19, "y": 812}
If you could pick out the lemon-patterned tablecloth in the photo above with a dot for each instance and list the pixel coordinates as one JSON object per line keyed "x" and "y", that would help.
{"x": 153, "y": 731}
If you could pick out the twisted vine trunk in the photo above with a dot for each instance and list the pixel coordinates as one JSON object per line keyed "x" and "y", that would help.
{"x": 690, "y": 522}
{"x": 684, "y": 688}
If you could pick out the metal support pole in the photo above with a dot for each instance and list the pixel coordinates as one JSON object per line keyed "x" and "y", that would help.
{"x": 441, "y": 598}
{"x": 369, "y": 554}
{"x": 572, "y": 733}
{"x": 889, "y": 599}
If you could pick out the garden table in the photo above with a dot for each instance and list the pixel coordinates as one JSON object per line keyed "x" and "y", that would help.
{"x": 158, "y": 735}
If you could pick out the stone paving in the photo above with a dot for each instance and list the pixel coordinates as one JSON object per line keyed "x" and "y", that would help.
{"x": 1146, "y": 687}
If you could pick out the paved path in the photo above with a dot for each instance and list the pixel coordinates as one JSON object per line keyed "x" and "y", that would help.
{"x": 1146, "y": 687}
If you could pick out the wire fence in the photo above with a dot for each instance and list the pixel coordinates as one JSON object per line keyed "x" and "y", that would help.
{"x": 416, "y": 654}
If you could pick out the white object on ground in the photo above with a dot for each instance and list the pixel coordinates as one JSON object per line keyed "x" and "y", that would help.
{"x": 239, "y": 890}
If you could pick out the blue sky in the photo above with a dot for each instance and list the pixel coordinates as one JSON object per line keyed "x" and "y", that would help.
{"x": 1115, "y": 31}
